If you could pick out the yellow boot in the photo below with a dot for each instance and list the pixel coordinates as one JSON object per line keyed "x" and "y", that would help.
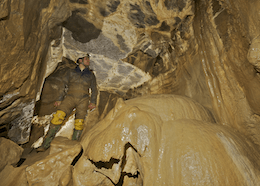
{"x": 78, "y": 129}
{"x": 58, "y": 117}
{"x": 55, "y": 125}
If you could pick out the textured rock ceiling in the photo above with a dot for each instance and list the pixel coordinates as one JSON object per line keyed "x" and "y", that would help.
{"x": 131, "y": 42}
{"x": 207, "y": 50}
{"x": 106, "y": 61}
{"x": 117, "y": 30}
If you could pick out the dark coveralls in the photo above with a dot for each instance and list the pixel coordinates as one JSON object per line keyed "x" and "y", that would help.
{"x": 78, "y": 83}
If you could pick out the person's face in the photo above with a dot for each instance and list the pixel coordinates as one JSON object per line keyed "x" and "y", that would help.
{"x": 86, "y": 61}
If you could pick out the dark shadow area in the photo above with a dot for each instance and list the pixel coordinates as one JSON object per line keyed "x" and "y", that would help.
{"x": 109, "y": 165}
{"x": 82, "y": 30}
{"x": 3, "y": 130}
{"x": 123, "y": 174}
{"x": 77, "y": 158}
{"x": 106, "y": 165}
{"x": 121, "y": 180}
{"x": 20, "y": 162}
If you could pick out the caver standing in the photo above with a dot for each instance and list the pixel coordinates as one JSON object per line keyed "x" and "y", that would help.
{"x": 78, "y": 81}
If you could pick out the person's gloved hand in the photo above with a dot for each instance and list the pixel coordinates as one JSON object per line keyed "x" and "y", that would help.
{"x": 57, "y": 103}
{"x": 91, "y": 106}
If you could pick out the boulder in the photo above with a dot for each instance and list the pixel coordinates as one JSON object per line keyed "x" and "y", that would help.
{"x": 10, "y": 153}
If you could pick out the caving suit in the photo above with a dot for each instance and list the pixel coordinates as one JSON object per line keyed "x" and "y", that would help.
{"x": 77, "y": 96}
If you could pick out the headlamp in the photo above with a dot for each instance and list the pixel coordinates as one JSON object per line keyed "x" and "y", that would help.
{"x": 84, "y": 55}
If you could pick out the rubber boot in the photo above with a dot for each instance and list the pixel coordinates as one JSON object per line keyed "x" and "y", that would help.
{"x": 58, "y": 117}
{"x": 49, "y": 137}
{"x": 78, "y": 129}
{"x": 55, "y": 125}
{"x": 76, "y": 134}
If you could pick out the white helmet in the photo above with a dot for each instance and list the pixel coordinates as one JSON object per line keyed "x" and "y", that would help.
{"x": 80, "y": 56}
{"x": 83, "y": 55}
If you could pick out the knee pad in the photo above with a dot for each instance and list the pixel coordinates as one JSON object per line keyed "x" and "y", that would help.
{"x": 58, "y": 117}
{"x": 79, "y": 124}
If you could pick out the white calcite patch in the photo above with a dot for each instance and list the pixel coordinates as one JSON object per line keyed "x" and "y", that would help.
{"x": 21, "y": 126}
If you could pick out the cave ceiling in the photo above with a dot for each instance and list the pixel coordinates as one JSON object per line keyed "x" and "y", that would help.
{"x": 119, "y": 34}
{"x": 132, "y": 43}
{"x": 195, "y": 63}
{"x": 207, "y": 50}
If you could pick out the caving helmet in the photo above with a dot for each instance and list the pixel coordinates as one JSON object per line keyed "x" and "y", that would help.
{"x": 81, "y": 56}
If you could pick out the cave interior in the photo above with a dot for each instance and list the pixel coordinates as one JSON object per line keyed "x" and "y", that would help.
{"x": 178, "y": 88}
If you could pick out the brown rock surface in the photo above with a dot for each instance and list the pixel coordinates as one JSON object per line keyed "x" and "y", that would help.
{"x": 11, "y": 176}
{"x": 206, "y": 154}
{"x": 55, "y": 167}
{"x": 203, "y": 50}
{"x": 25, "y": 32}
{"x": 198, "y": 49}
{"x": 136, "y": 141}
{"x": 10, "y": 153}
{"x": 151, "y": 140}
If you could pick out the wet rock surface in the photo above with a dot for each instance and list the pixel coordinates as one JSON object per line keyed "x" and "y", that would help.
{"x": 52, "y": 169}
{"x": 10, "y": 153}
{"x": 206, "y": 52}
{"x": 139, "y": 143}
{"x": 13, "y": 176}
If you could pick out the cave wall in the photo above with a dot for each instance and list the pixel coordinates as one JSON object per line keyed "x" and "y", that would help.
{"x": 215, "y": 68}
{"x": 194, "y": 48}
{"x": 26, "y": 30}
{"x": 198, "y": 49}
{"x": 224, "y": 38}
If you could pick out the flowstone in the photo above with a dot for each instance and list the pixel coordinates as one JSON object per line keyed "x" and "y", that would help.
{"x": 151, "y": 140}
{"x": 56, "y": 167}
{"x": 164, "y": 140}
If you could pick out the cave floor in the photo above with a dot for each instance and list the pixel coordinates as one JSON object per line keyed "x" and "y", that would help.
{"x": 30, "y": 156}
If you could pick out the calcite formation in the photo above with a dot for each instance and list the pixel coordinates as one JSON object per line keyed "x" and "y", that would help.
{"x": 138, "y": 124}
{"x": 52, "y": 169}
{"x": 139, "y": 143}
{"x": 204, "y": 51}
{"x": 165, "y": 140}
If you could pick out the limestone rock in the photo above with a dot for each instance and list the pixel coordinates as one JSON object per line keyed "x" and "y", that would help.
{"x": 66, "y": 177}
{"x": 25, "y": 31}
{"x": 85, "y": 173}
{"x": 138, "y": 143}
{"x": 206, "y": 154}
{"x": 20, "y": 127}
{"x": 253, "y": 53}
{"x": 154, "y": 110}
{"x": 121, "y": 29}
{"x": 136, "y": 123}
{"x": 61, "y": 143}
{"x": 10, "y": 153}
{"x": 4, "y": 9}
{"x": 199, "y": 49}
{"x": 54, "y": 167}
{"x": 13, "y": 176}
